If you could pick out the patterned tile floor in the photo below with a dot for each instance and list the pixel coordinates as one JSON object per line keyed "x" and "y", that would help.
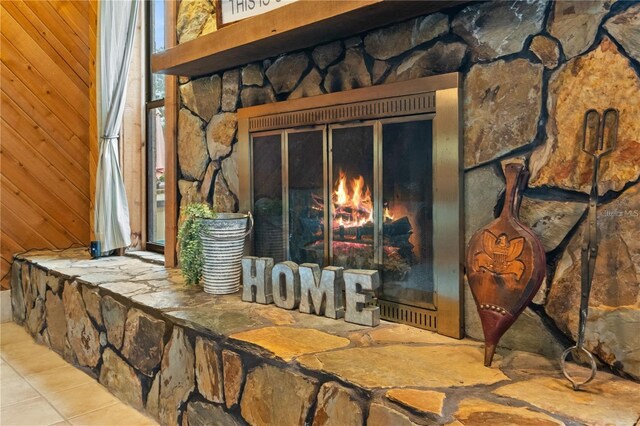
{"x": 37, "y": 387}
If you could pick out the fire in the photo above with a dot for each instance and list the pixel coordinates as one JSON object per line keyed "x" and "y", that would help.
{"x": 352, "y": 204}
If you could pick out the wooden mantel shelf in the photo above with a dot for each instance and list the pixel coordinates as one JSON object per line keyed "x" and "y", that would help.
{"x": 289, "y": 28}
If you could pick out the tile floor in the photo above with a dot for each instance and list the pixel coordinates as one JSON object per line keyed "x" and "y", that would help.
{"x": 37, "y": 387}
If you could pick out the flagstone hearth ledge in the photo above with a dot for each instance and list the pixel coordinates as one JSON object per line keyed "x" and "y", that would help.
{"x": 185, "y": 357}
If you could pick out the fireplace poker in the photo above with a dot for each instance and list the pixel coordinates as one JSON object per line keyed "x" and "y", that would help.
{"x": 599, "y": 135}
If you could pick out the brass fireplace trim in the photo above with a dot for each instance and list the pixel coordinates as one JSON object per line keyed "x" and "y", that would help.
{"x": 439, "y": 95}
{"x": 391, "y": 107}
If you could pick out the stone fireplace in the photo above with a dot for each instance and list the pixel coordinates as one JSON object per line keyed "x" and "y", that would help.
{"x": 365, "y": 179}
{"x": 528, "y": 73}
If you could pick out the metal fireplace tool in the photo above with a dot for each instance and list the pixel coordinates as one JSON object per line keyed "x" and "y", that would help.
{"x": 600, "y": 135}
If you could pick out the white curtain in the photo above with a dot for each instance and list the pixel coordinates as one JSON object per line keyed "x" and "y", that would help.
{"x": 117, "y": 22}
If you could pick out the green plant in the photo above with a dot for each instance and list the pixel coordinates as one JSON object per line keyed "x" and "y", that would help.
{"x": 190, "y": 242}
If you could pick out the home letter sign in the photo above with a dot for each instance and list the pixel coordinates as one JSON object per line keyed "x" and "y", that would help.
{"x": 285, "y": 279}
{"x": 256, "y": 281}
{"x": 311, "y": 289}
{"x": 359, "y": 286}
{"x": 321, "y": 292}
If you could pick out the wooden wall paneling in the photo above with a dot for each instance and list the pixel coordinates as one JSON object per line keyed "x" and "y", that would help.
{"x": 8, "y": 249}
{"x": 171, "y": 129}
{"x": 44, "y": 224}
{"x": 50, "y": 121}
{"x": 21, "y": 174}
{"x": 78, "y": 22}
{"x": 34, "y": 140}
{"x": 48, "y": 16}
{"x": 46, "y": 80}
{"x": 46, "y": 65}
{"x": 73, "y": 109}
{"x": 132, "y": 138}
{"x": 39, "y": 32}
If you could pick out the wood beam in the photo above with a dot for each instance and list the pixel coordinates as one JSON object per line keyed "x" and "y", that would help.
{"x": 295, "y": 26}
{"x": 171, "y": 155}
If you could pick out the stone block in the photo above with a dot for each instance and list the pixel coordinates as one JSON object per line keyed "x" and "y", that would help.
{"x": 252, "y": 75}
{"x": 117, "y": 376}
{"x": 202, "y": 96}
{"x": 380, "y": 415}
{"x": 220, "y": 134}
{"x": 289, "y": 342}
{"x": 441, "y": 366}
{"x": 177, "y": 376}
{"x": 326, "y": 54}
{"x": 114, "y": 315}
{"x": 92, "y": 303}
{"x": 83, "y": 336}
{"x": 192, "y": 18}
{"x": 233, "y": 375}
{"x": 286, "y": 71}
{"x": 440, "y": 58}
{"x": 482, "y": 189}
{"x": 607, "y": 400}
{"x": 151, "y": 406}
{"x": 223, "y": 199}
{"x": 35, "y": 321}
{"x": 273, "y": 395}
{"x": 501, "y": 112}
{"x": 575, "y": 24}
{"x": 203, "y": 414}
{"x": 337, "y": 406}
{"x": 17, "y": 295}
{"x": 478, "y": 411}
{"x": 394, "y": 40}
{"x": 625, "y": 28}
{"x": 425, "y": 401}
{"x": 546, "y": 49}
{"x": 351, "y": 73}
{"x": 551, "y": 221}
{"x": 56, "y": 322}
{"x": 493, "y": 30}
{"x": 615, "y": 290}
{"x": 143, "y": 341}
{"x": 309, "y": 86}
{"x": 209, "y": 370}
{"x": 192, "y": 146}
{"x": 252, "y": 96}
{"x": 230, "y": 90}
{"x": 603, "y": 78}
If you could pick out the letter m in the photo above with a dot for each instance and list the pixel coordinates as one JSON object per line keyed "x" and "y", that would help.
{"x": 321, "y": 292}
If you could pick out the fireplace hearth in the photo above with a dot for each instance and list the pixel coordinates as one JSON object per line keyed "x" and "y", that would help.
{"x": 365, "y": 179}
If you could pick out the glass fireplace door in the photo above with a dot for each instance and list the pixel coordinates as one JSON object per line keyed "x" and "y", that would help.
{"x": 306, "y": 195}
{"x": 369, "y": 181}
{"x": 352, "y": 207}
{"x": 407, "y": 196}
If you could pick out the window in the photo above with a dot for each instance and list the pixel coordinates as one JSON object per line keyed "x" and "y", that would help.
{"x": 155, "y": 124}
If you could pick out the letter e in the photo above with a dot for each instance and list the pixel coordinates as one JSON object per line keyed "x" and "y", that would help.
{"x": 359, "y": 286}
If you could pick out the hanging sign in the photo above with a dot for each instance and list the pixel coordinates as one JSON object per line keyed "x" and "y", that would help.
{"x": 235, "y": 10}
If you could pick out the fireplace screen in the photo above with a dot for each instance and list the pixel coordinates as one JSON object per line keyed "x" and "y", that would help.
{"x": 362, "y": 194}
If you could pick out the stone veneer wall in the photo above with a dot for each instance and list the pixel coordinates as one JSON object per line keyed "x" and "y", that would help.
{"x": 174, "y": 374}
{"x": 531, "y": 70}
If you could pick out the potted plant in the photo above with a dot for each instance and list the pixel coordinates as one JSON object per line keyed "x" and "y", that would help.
{"x": 211, "y": 247}
{"x": 190, "y": 240}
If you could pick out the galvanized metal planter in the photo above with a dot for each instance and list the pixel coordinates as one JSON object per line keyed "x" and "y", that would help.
{"x": 222, "y": 246}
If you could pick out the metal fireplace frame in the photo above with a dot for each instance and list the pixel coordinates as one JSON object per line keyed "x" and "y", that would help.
{"x": 438, "y": 98}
